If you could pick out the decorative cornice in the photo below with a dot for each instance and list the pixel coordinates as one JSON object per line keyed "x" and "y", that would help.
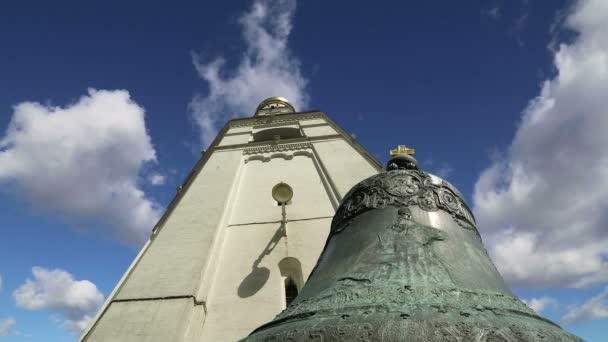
{"x": 276, "y": 120}
{"x": 276, "y": 124}
{"x": 276, "y": 148}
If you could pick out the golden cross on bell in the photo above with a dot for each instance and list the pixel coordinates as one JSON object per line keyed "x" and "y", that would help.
{"x": 402, "y": 149}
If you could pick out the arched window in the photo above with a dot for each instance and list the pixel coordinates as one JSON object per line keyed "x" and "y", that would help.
{"x": 291, "y": 290}
{"x": 291, "y": 273}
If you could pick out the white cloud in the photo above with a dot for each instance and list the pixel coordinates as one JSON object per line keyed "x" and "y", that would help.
{"x": 156, "y": 179}
{"x": 492, "y": 12}
{"x": 518, "y": 27}
{"x": 266, "y": 69}
{"x": 595, "y": 308}
{"x": 0, "y": 283}
{"x": 82, "y": 161}
{"x": 540, "y": 304}
{"x": 6, "y": 326}
{"x": 57, "y": 291}
{"x": 543, "y": 206}
{"x": 440, "y": 169}
{"x": 444, "y": 171}
{"x": 77, "y": 326}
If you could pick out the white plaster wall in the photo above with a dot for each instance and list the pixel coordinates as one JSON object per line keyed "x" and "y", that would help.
{"x": 241, "y": 297}
{"x": 254, "y": 199}
{"x": 194, "y": 324}
{"x": 235, "y": 139}
{"x": 345, "y": 166}
{"x": 172, "y": 264}
{"x": 312, "y": 122}
{"x": 243, "y": 129}
{"x": 317, "y": 131}
{"x": 150, "y": 321}
{"x": 239, "y": 302}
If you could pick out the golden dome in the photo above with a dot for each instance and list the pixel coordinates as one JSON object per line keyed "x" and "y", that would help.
{"x": 279, "y": 101}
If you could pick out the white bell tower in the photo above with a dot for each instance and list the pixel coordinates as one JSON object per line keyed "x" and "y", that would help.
{"x": 242, "y": 234}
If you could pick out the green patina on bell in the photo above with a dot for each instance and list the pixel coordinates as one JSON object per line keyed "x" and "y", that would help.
{"x": 405, "y": 262}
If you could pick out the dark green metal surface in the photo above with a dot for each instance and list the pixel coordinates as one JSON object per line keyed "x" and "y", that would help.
{"x": 404, "y": 262}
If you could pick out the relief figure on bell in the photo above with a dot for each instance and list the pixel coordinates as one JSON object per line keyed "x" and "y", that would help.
{"x": 403, "y": 253}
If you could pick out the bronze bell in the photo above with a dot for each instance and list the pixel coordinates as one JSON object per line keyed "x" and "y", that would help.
{"x": 404, "y": 262}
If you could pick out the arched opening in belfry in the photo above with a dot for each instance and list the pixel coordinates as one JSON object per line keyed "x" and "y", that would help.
{"x": 280, "y": 133}
{"x": 292, "y": 280}
{"x": 291, "y": 290}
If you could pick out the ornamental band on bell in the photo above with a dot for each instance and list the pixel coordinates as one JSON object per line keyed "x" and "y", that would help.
{"x": 403, "y": 188}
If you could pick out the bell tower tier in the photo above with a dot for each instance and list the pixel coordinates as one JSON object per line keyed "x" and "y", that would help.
{"x": 230, "y": 253}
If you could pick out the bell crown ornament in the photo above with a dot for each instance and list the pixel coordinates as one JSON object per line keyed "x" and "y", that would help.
{"x": 404, "y": 261}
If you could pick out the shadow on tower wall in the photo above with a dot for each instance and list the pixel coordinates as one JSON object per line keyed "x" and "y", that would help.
{"x": 258, "y": 276}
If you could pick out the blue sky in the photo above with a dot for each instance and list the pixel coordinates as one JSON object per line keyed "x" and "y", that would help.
{"x": 503, "y": 98}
